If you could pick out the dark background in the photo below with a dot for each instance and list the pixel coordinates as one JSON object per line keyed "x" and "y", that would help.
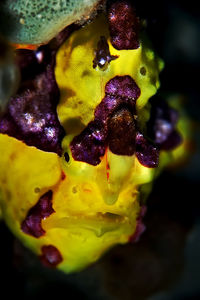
{"x": 165, "y": 263}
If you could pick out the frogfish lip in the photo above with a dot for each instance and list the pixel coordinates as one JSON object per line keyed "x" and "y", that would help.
{"x": 100, "y": 223}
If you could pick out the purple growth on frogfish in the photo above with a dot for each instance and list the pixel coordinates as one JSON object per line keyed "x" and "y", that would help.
{"x": 118, "y": 106}
{"x": 41, "y": 210}
{"x": 90, "y": 144}
{"x": 146, "y": 152}
{"x": 123, "y": 25}
{"x": 51, "y": 256}
{"x": 31, "y": 115}
{"x": 161, "y": 127}
{"x": 122, "y": 132}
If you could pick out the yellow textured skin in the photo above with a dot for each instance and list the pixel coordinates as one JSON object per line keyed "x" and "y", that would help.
{"x": 75, "y": 69}
{"x": 95, "y": 206}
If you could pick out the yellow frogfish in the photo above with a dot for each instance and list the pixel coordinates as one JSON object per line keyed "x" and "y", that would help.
{"x": 83, "y": 140}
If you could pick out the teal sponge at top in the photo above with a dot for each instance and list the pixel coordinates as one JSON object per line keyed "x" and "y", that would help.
{"x": 38, "y": 21}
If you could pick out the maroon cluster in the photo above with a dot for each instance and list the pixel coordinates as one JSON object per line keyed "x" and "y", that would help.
{"x": 161, "y": 127}
{"x": 123, "y": 25}
{"x": 51, "y": 256}
{"x": 90, "y": 144}
{"x": 121, "y": 93}
{"x": 146, "y": 152}
{"x": 31, "y": 115}
{"x": 43, "y": 209}
{"x": 114, "y": 126}
{"x": 122, "y": 132}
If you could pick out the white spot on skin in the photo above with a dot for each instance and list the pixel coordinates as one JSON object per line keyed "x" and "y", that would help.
{"x": 102, "y": 61}
{"x": 164, "y": 130}
{"x": 50, "y": 132}
{"x": 29, "y": 118}
{"x": 38, "y": 125}
{"x": 34, "y": 125}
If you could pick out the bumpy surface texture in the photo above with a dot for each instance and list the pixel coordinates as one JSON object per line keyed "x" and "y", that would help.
{"x": 31, "y": 115}
{"x": 123, "y": 25}
{"x": 38, "y": 21}
{"x": 72, "y": 192}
